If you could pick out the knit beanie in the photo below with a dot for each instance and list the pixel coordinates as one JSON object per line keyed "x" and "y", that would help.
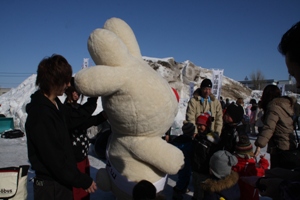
{"x": 236, "y": 112}
{"x": 204, "y": 119}
{"x": 188, "y": 128}
{"x": 244, "y": 146}
{"x": 221, "y": 163}
{"x": 206, "y": 83}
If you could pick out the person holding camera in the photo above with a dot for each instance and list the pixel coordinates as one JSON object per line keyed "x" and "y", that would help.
{"x": 204, "y": 101}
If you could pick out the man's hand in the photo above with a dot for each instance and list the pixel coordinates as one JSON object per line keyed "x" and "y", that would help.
{"x": 257, "y": 151}
{"x": 92, "y": 188}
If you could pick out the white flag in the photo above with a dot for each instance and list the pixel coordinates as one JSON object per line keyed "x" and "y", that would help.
{"x": 85, "y": 63}
{"x": 282, "y": 88}
{"x": 217, "y": 82}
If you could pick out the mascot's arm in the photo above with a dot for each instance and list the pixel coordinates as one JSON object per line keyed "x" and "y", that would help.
{"x": 100, "y": 80}
{"x": 157, "y": 152}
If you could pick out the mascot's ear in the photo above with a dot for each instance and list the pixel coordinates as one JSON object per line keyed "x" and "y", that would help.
{"x": 123, "y": 30}
{"x": 106, "y": 48}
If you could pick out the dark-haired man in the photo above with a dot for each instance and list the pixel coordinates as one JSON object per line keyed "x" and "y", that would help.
{"x": 289, "y": 46}
{"x": 204, "y": 101}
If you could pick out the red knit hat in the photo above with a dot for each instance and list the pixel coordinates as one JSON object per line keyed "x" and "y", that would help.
{"x": 204, "y": 119}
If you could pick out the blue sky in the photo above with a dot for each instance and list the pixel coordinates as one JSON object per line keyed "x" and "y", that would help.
{"x": 237, "y": 36}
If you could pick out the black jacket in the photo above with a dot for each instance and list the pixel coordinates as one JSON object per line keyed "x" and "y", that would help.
{"x": 49, "y": 147}
{"x": 229, "y": 135}
{"x": 79, "y": 139}
{"x": 202, "y": 151}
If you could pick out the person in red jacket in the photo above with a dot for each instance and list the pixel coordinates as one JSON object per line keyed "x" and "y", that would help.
{"x": 247, "y": 166}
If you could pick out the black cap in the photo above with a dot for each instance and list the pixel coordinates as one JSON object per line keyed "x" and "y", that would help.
{"x": 206, "y": 83}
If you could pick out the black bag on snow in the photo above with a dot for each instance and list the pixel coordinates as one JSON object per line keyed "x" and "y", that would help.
{"x": 16, "y": 133}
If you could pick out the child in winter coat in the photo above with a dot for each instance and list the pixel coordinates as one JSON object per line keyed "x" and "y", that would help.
{"x": 252, "y": 120}
{"x": 204, "y": 145}
{"x": 232, "y": 127}
{"x": 184, "y": 143}
{"x": 247, "y": 166}
{"x": 223, "y": 182}
{"x": 78, "y": 134}
{"x": 259, "y": 115}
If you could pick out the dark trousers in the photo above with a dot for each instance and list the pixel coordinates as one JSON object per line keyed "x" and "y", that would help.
{"x": 79, "y": 193}
{"x": 51, "y": 190}
{"x": 275, "y": 162}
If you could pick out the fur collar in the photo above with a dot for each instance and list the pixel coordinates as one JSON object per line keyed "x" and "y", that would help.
{"x": 218, "y": 185}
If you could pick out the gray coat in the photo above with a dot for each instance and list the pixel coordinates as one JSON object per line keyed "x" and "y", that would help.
{"x": 278, "y": 129}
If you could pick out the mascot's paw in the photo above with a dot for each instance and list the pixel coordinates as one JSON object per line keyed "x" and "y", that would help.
{"x": 177, "y": 162}
{"x": 103, "y": 180}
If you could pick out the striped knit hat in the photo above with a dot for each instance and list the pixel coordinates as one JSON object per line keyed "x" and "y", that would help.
{"x": 244, "y": 146}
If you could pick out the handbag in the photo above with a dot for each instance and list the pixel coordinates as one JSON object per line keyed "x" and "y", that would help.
{"x": 13, "y": 183}
{"x": 290, "y": 159}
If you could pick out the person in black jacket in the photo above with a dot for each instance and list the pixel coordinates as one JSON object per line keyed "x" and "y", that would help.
{"x": 184, "y": 143}
{"x": 48, "y": 142}
{"x": 205, "y": 143}
{"x": 223, "y": 182}
{"x": 79, "y": 139}
{"x": 232, "y": 127}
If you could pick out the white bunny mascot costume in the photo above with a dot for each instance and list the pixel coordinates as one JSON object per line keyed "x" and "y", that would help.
{"x": 140, "y": 106}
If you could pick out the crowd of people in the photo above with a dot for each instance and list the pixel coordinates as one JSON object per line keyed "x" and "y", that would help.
{"x": 219, "y": 156}
{"x": 224, "y": 164}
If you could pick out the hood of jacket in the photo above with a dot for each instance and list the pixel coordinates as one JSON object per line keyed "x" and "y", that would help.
{"x": 218, "y": 185}
{"x": 282, "y": 102}
{"x": 38, "y": 99}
